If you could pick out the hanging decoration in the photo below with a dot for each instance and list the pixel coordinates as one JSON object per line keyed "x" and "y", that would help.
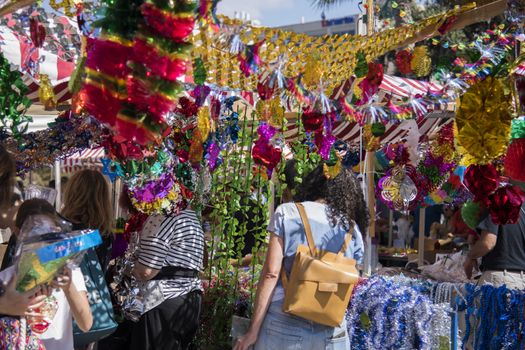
{"x": 471, "y": 214}
{"x": 46, "y": 94}
{"x": 421, "y": 63}
{"x": 404, "y": 61}
{"x": 263, "y": 152}
{"x": 397, "y": 188}
{"x": 13, "y": 102}
{"x": 65, "y": 136}
{"x": 483, "y": 121}
{"x": 505, "y": 205}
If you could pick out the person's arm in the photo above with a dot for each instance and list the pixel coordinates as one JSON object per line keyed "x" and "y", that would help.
{"x": 14, "y": 303}
{"x": 144, "y": 273}
{"x": 269, "y": 278}
{"x": 153, "y": 247}
{"x": 482, "y": 247}
{"x": 78, "y": 301}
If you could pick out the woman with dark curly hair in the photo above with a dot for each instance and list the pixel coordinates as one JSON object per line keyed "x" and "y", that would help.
{"x": 334, "y": 207}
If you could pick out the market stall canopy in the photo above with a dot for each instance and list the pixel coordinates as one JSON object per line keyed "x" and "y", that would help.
{"x": 89, "y": 158}
{"x": 56, "y": 58}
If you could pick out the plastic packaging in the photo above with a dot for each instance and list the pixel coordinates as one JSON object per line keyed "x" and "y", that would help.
{"x": 45, "y": 246}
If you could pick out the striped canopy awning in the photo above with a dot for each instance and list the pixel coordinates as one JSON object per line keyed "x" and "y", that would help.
{"x": 86, "y": 159}
{"x": 350, "y": 132}
{"x": 17, "y": 48}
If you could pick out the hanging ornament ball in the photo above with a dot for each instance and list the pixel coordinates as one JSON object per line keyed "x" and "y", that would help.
{"x": 421, "y": 62}
{"x": 515, "y": 160}
{"x": 378, "y": 129}
{"x": 481, "y": 180}
{"x": 471, "y": 213}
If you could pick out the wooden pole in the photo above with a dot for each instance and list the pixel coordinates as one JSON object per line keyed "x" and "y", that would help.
{"x": 391, "y": 227}
{"x": 421, "y": 238}
{"x": 369, "y": 171}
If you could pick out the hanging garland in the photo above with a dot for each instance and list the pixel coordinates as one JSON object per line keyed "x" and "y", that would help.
{"x": 13, "y": 102}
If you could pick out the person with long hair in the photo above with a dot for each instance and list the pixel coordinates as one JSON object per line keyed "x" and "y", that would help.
{"x": 12, "y": 302}
{"x": 69, "y": 291}
{"x": 87, "y": 204}
{"x": 334, "y": 207}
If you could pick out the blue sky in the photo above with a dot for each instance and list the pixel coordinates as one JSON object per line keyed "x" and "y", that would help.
{"x": 273, "y": 13}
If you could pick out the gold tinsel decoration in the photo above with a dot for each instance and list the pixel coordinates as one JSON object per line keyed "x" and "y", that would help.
{"x": 313, "y": 71}
{"x": 483, "y": 122}
{"x": 421, "y": 61}
{"x": 338, "y": 51}
{"x": 204, "y": 123}
{"x": 46, "y": 94}
{"x": 270, "y": 111}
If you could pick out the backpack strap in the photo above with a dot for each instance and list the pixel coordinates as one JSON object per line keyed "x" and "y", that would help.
{"x": 346, "y": 243}
{"x": 309, "y": 239}
{"x": 307, "y": 229}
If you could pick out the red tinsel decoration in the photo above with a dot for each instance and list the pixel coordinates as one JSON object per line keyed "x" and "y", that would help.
{"x": 265, "y": 154}
{"x": 166, "y": 24}
{"x": 375, "y": 74}
{"x": 481, "y": 180}
{"x": 265, "y": 91}
{"x": 515, "y": 160}
{"x": 118, "y": 147}
{"x": 38, "y": 32}
{"x": 187, "y": 107}
{"x": 505, "y": 205}
{"x": 159, "y": 65}
{"x": 145, "y": 99}
{"x": 98, "y": 54}
{"x": 312, "y": 120}
{"x": 101, "y": 104}
{"x": 403, "y": 59}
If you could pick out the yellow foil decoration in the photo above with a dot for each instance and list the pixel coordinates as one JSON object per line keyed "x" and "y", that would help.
{"x": 46, "y": 94}
{"x": 313, "y": 71}
{"x": 196, "y": 151}
{"x": 270, "y": 111}
{"x": 421, "y": 61}
{"x": 203, "y": 123}
{"x": 483, "y": 122}
{"x": 372, "y": 143}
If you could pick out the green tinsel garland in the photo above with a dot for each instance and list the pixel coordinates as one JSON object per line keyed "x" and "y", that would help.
{"x": 13, "y": 102}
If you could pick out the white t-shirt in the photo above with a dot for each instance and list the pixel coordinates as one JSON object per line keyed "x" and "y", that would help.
{"x": 59, "y": 335}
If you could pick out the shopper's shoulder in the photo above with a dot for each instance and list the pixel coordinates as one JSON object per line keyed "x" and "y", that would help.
{"x": 286, "y": 209}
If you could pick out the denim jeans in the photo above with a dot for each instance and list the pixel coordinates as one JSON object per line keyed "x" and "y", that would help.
{"x": 282, "y": 331}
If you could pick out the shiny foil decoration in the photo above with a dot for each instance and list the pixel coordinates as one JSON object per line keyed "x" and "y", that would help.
{"x": 483, "y": 121}
{"x": 46, "y": 94}
{"x": 397, "y": 189}
{"x": 505, "y": 205}
{"x": 313, "y": 71}
{"x": 515, "y": 160}
{"x": 421, "y": 62}
{"x": 271, "y": 111}
{"x": 481, "y": 180}
{"x": 404, "y": 61}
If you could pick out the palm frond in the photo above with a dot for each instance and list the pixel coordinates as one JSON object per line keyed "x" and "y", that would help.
{"x": 325, "y": 4}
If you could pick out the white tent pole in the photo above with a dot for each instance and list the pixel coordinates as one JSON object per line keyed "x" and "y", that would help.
{"x": 421, "y": 239}
{"x": 58, "y": 185}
